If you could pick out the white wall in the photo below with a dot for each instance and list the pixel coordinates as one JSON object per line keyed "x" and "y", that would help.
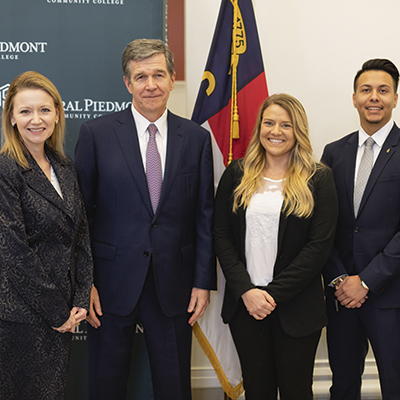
{"x": 312, "y": 49}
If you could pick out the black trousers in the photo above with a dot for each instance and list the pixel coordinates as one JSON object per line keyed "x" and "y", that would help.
{"x": 348, "y": 333}
{"x": 271, "y": 360}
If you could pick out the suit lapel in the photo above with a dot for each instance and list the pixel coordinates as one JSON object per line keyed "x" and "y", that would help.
{"x": 175, "y": 140}
{"x": 283, "y": 219}
{"x": 387, "y": 151}
{"x": 66, "y": 180}
{"x": 349, "y": 165}
{"x": 126, "y": 133}
{"x": 38, "y": 181}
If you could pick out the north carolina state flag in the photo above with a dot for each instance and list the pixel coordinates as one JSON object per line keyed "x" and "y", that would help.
{"x": 215, "y": 106}
{"x": 231, "y": 92}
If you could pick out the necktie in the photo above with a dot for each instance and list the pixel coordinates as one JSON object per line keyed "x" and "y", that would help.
{"x": 153, "y": 168}
{"x": 363, "y": 173}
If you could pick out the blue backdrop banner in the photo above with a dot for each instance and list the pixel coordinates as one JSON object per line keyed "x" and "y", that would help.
{"x": 78, "y": 45}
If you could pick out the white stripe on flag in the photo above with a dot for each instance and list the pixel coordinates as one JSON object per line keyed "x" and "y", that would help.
{"x": 212, "y": 334}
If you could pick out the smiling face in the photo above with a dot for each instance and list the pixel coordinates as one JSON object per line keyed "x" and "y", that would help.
{"x": 150, "y": 85}
{"x": 35, "y": 116}
{"x": 374, "y": 99}
{"x": 276, "y": 132}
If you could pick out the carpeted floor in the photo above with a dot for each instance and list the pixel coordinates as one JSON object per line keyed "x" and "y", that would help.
{"x": 218, "y": 394}
{"x": 208, "y": 394}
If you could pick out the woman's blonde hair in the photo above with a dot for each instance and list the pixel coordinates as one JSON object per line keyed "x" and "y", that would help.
{"x": 298, "y": 198}
{"x": 12, "y": 143}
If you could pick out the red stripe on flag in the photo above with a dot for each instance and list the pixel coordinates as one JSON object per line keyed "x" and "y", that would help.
{"x": 249, "y": 100}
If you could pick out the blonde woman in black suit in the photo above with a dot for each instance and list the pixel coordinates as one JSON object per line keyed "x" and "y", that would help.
{"x": 275, "y": 219}
{"x": 45, "y": 258}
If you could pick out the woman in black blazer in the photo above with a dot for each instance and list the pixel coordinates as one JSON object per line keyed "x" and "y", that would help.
{"x": 275, "y": 219}
{"x": 45, "y": 258}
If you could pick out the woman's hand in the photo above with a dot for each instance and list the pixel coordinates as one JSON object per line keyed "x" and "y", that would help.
{"x": 259, "y": 303}
{"x": 77, "y": 315}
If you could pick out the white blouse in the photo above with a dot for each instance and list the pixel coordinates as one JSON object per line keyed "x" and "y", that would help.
{"x": 54, "y": 181}
{"x": 262, "y": 224}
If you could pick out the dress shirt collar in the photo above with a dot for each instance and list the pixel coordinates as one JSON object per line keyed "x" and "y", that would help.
{"x": 379, "y": 136}
{"x": 142, "y": 123}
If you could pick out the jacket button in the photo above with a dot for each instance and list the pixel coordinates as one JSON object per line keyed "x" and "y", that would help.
{"x": 67, "y": 242}
{"x": 145, "y": 254}
{"x": 154, "y": 225}
{"x": 356, "y": 229}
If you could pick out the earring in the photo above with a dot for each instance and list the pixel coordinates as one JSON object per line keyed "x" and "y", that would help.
{"x": 56, "y": 122}
{"x": 13, "y": 123}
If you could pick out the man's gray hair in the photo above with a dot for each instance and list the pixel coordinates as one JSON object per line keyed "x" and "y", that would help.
{"x": 141, "y": 49}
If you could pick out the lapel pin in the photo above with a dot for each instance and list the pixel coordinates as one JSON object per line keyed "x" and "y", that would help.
{"x": 387, "y": 151}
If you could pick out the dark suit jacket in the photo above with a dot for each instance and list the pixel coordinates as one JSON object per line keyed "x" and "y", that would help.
{"x": 45, "y": 258}
{"x": 368, "y": 245}
{"x": 304, "y": 245}
{"x": 124, "y": 231}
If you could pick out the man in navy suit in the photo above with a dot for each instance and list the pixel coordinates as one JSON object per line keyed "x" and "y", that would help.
{"x": 362, "y": 277}
{"x": 152, "y": 245}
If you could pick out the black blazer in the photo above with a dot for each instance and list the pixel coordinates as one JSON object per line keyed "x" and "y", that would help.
{"x": 368, "y": 245}
{"x": 45, "y": 258}
{"x": 304, "y": 245}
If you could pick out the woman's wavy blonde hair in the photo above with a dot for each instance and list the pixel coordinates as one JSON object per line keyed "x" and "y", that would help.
{"x": 298, "y": 198}
{"x": 12, "y": 143}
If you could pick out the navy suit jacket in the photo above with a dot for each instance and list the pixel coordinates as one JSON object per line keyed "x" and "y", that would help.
{"x": 368, "y": 245}
{"x": 124, "y": 231}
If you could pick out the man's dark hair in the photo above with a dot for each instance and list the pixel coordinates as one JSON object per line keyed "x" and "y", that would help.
{"x": 379, "y": 64}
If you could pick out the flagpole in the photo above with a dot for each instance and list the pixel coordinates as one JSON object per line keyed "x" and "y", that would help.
{"x": 234, "y": 63}
{"x": 226, "y": 91}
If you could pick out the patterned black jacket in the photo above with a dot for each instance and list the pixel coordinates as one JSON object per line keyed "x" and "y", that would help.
{"x": 45, "y": 258}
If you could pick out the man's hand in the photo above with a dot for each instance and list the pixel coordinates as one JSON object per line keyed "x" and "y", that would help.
{"x": 259, "y": 303}
{"x": 199, "y": 301}
{"x": 95, "y": 309}
{"x": 350, "y": 292}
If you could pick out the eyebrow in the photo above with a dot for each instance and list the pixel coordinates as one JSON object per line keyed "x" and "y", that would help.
{"x": 367, "y": 85}
{"x": 157, "y": 71}
{"x": 30, "y": 106}
{"x": 270, "y": 119}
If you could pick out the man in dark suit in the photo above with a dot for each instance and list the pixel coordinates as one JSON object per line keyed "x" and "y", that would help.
{"x": 146, "y": 178}
{"x": 363, "y": 275}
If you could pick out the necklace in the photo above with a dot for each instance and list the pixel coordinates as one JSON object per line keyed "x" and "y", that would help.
{"x": 275, "y": 175}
